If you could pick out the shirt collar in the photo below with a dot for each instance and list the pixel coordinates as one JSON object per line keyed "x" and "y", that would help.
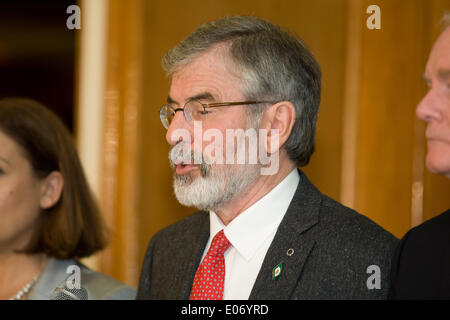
{"x": 248, "y": 231}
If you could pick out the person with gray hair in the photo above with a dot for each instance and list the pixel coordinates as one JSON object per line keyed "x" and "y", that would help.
{"x": 263, "y": 230}
{"x": 421, "y": 265}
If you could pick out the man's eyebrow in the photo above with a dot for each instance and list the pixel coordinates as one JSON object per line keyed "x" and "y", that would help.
{"x": 444, "y": 74}
{"x": 171, "y": 101}
{"x": 425, "y": 78}
{"x": 203, "y": 96}
{"x": 200, "y": 96}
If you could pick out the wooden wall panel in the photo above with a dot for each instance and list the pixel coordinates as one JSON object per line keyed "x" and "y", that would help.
{"x": 123, "y": 94}
{"x": 350, "y": 111}
{"x": 391, "y": 67}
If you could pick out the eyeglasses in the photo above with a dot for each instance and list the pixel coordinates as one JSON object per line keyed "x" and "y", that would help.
{"x": 194, "y": 110}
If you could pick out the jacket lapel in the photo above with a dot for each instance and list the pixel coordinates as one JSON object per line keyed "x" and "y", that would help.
{"x": 192, "y": 258}
{"x": 286, "y": 257}
{"x": 53, "y": 276}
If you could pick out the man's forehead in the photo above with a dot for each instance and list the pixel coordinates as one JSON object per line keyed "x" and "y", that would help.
{"x": 438, "y": 64}
{"x": 210, "y": 76}
{"x": 442, "y": 46}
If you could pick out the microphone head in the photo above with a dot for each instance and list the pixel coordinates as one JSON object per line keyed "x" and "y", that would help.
{"x": 65, "y": 293}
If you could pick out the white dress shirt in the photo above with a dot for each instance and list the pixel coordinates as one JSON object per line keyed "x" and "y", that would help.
{"x": 251, "y": 234}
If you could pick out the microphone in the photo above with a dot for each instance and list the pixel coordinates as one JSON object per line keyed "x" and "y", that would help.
{"x": 65, "y": 293}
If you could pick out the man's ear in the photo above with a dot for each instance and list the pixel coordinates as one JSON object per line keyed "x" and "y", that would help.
{"x": 279, "y": 117}
{"x": 51, "y": 189}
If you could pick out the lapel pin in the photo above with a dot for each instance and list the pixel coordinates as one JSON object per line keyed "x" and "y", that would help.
{"x": 276, "y": 271}
{"x": 290, "y": 252}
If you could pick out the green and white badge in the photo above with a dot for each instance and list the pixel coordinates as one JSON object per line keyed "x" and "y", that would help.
{"x": 276, "y": 271}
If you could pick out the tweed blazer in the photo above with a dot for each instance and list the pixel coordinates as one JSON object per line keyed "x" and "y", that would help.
{"x": 97, "y": 285}
{"x": 333, "y": 245}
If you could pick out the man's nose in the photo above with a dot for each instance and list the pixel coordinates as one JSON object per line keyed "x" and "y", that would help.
{"x": 174, "y": 133}
{"x": 427, "y": 109}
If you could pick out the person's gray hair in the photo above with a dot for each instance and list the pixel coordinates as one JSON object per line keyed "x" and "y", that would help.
{"x": 275, "y": 66}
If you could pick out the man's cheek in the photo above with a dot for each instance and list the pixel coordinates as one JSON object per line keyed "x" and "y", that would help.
{"x": 214, "y": 150}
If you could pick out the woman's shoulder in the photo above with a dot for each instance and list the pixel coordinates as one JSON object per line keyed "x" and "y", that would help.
{"x": 102, "y": 287}
{"x": 63, "y": 277}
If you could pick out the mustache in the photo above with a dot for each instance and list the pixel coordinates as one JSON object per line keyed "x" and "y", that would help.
{"x": 182, "y": 154}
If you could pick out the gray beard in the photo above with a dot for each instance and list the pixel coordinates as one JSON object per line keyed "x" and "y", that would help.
{"x": 215, "y": 186}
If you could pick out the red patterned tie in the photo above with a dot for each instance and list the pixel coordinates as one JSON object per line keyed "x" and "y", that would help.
{"x": 210, "y": 276}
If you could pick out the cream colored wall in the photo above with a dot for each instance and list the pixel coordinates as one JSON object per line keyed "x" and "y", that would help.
{"x": 90, "y": 94}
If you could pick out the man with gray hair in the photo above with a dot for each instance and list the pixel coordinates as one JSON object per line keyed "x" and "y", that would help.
{"x": 264, "y": 231}
{"x": 421, "y": 266}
